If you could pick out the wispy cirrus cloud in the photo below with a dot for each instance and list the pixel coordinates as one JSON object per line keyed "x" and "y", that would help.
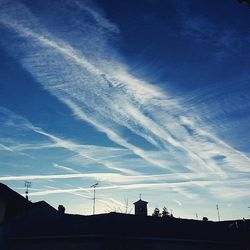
{"x": 178, "y": 202}
{"x": 180, "y": 187}
{"x": 68, "y": 169}
{"x": 143, "y": 120}
{"x": 105, "y": 156}
{"x": 99, "y": 18}
{"x": 177, "y": 182}
{"x": 153, "y": 131}
{"x": 6, "y": 148}
{"x": 116, "y": 178}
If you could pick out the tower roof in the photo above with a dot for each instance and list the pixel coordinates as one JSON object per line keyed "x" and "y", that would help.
{"x": 140, "y": 202}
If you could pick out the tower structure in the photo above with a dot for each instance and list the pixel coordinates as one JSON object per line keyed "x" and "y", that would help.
{"x": 141, "y": 207}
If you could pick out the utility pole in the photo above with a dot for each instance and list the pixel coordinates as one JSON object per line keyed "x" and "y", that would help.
{"x": 126, "y": 205}
{"x": 217, "y": 207}
{"x": 196, "y": 215}
{"x": 27, "y": 184}
{"x": 94, "y": 186}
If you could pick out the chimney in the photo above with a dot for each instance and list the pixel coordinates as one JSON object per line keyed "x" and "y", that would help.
{"x": 61, "y": 209}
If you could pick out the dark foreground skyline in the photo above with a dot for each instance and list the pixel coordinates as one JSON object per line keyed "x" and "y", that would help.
{"x": 146, "y": 97}
{"x": 37, "y": 225}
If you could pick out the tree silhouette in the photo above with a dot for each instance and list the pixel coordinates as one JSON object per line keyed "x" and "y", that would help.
{"x": 205, "y": 219}
{"x": 165, "y": 212}
{"x": 156, "y": 212}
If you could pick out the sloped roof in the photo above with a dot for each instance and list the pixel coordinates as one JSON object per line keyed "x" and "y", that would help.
{"x": 43, "y": 206}
{"x": 9, "y": 195}
{"x": 140, "y": 201}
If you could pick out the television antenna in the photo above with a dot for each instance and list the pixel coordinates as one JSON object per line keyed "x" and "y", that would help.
{"x": 196, "y": 215}
{"x": 94, "y": 186}
{"x": 27, "y": 184}
{"x": 217, "y": 207}
{"x": 126, "y": 205}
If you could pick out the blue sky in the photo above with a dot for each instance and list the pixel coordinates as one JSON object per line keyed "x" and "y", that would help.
{"x": 149, "y": 97}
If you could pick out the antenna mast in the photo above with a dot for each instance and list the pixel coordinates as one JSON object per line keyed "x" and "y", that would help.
{"x": 27, "y": 184}
{"x": 126, "y": 204}
{"x": 196, "y": 215}
{"x": 94, "y": 186}
{"x": 217, "y": 207}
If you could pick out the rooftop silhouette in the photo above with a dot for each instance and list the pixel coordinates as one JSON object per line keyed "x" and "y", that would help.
{"x": 26, "y": 224}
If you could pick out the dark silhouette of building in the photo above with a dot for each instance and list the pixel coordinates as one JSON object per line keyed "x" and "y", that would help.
{"x": 44, "y": 227}
{"x": 141, "y": 207}
{"x": 12, "y": 204}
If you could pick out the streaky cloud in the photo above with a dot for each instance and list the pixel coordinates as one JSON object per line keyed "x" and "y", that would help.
{"x": 100, "y": 91}
{"x": 65, "y": 168}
